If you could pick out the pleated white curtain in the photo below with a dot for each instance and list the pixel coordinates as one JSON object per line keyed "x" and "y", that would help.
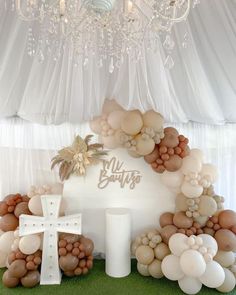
{"x": 201, "y": 87}
{"x": 26, "y": 150}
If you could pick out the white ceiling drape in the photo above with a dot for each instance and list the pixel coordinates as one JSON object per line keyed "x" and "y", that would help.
{"x": 201, "y": 87}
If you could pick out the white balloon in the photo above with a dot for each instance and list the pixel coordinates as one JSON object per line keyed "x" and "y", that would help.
{"x": 213, "y": 276}
{"x": 178, "y": 244}
{"x": 190, "y": 285}
{"x": 225, "y": 258}
{"x": 191, "y": 165}
{"x": 172, "y": 179}
{"x": 192, "y": 263}
{"x": 209, "y": 242}
{"x": 197, "y": 153}
{"x": 171, "y": 268}
{"x": 191, "y": 191}
{"x": 29, "y": 244}
{"x": 210, "y": 171}
{"x": 229, "y": 282}
{"x": 35, "y": 205}
{"x": 3, "y": 259}
{"x": 6, "y": 241}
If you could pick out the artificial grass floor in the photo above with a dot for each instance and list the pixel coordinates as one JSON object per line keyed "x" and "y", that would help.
{"x": 98, "y": 283}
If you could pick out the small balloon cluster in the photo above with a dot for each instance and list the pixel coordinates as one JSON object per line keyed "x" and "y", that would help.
{"x": 22, "y": 255}
{"x": 75, "y": 254}
{"x": 150, "y": 250}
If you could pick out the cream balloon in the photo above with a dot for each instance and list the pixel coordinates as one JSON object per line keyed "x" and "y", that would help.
{"x": 172, "y": 179}
{"x": 192, "y": 263}
{"x": 110, "y": 105}
{"x": 161, "y": 251}
{"x": 134, "y": 154}
{"x": 181, "y": 203}
{"x": 35, "y": 205}
{"x": 191, "y": 191}
{"x": 153, "y": 119}
{"x": 225, "y": 258}
{"x": 191, "y": 165}
{"x": 143, "y": 269}
{"x": 144, "y": 146}
{"x": 3, "y": 259}
{"x": 210, "y": 171}
{"x": 155, "y": 269}
{"x": 209, "y": 242}
{"x": 29, "y": 244}
{"x": 110, "y": 142}
{"x": 95, "y": 125}
{"x": 144, "y": 254}
{"x": 132, "y": 122}
{"x": 198, "y": 154}
{"x": 171, "y": 268}
{"x": 229, "y": 282}
{"x": 178, "y": 244}
{"x": 214, "y": 275}
{"x": 6, "y": 241}
{"x": 115, "y": 118}
{"x": 207, "y": 206}
{"x": 190, "y": 285}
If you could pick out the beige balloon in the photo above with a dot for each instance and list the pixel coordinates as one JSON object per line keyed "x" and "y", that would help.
{"x": 110, "y": 142}
{"x": 181, "y": 203}
{"x": 225, "y": 258}
{"x": 143, "y": 269}
{"x": 207, "y": 206}
{"x": 115, "y": 118}
{"x": 144, "y": 254}
{"x": 144, "y": 146}
{"x": 132, "y": 122}
{"x": 134, "y": 154}
{"x": 229, "y": 282}
{"x": 110, "y": 105}
{"x": 153, "y": 119}
{"x": 35, "y": 205}
{"x": 161, "y": 251}
{"x": 95, "y": 125}
{"x": 155, "y": 269}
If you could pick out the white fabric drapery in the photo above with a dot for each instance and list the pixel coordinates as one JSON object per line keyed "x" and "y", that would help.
{"x": 26, "y": 150}
{"x": 201, "y": 86}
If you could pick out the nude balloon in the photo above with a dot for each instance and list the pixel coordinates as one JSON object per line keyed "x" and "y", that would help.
{"x": 17, "y": 268}
{"x": 29, "y": 244}
{"x": 132, "y": 122}
{"x": 144, "y": 146}
{"x": 207, "y": 206}
{"x": 161, "y": 251}
{"x": 144, "y": 254}
{"x": 174, "y": 163}
{"x": 95, "y": 125}
{"x": 153, "y": 119}
{"x": 143, "y": 269}
{"x": 227, "y": 219}
{"x": 35, "y": 205}
{"x": 155, "y": 269}
{"x": 166, "y": 219}
{"x": 8, "y": 222}
{"x": 115, "y": 118}
{"x": 167, "y": 232}
{"x": 110, "y": 142}
{"x": 182, "y": 221}
{"x": 191, "y": 191}
{"x": 110, "y": 105}
{"x": 181, "y": 203}
{"x": 9, "y": 281}
{"x": 31, "y": 279}
{"x": 226, "y": 240}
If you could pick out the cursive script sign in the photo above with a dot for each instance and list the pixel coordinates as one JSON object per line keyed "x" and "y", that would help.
{"x": 113, "y": 172}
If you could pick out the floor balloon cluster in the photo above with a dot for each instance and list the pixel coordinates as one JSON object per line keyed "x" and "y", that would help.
{"x": 196, "y": 244}
{"x": 22, "y": 256}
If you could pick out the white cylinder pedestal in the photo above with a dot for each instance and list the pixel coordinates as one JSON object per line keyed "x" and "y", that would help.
{"x": 118, "y": 240}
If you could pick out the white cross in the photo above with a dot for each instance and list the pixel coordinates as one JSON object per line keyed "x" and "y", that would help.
{"x": 50, "y": 224}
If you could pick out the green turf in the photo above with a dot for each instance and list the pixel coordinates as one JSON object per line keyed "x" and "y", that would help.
{"x": 98, "y": 283}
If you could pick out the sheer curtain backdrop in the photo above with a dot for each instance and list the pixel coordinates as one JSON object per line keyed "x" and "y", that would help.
{"x": 27, "y": 148}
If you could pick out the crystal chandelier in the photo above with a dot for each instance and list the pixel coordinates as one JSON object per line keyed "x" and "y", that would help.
{"x": 107, "y": 29}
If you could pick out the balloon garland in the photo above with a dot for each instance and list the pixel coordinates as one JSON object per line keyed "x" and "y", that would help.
{"x": 22, "y": 255}
{"x": 189, "y": 238}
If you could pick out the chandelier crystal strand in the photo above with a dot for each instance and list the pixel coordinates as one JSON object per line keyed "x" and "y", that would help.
{"x": 106, "y": 29}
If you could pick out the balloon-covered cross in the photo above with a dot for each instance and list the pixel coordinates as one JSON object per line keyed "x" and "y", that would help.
{"x": 50, "y": 224}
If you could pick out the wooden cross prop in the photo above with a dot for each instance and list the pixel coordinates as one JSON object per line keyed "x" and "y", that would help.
{"x": 50, "y": 224}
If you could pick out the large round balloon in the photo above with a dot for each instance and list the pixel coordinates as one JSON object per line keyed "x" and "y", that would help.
{"x": 132, "y": 122}
{"x": 229, "y": 282}
{"x": 144, "y": 254}
{"x": 143, "y": 269}
{"x": 8, "y": 222}
{"x": 191, "y": 165}
{"x": 167, "y": 231}
{"x": 181, "y": 203}
{"x": 225, "y": 258}
{"x": 31, "y": 279}
{"x": 214, "y": 275}
{"x": 209, "y": 242}
{"x": 190, "y": 285}
{"x": 182, "y": 221}
{"x": 6, "y": 241}
{"x": 178, "y": 244}
{"x": 166, "y": 219}
{"x": 95, "y": 125}
{"x": 171, "y": 268}
{"x": 192, "y": 263}
{"x": 198, "y": 154}
{"x": 226, "y": 240}
{"x": 207, "y": 206}
{"x": 110, "y": 142}
{"x": 153, "y": 119}
{"x": 161, "y": 251}
{"x": 227, "y": 219}
{"x": 29, "y": 244}
{"x": 115, "y": 118}
{"x": 191, "y": 191}
{"x": 35, "y": 205}
{"x": 210, "y": 171}
{"x": 172, "y": 179}
{"x": 144, "y": 146}
{"x": 155, "y": 269}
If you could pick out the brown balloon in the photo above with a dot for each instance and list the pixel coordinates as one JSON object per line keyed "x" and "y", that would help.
{"x": 153, "y": 156}
{"x": 167, "y": 232}
{"x": 171, "y": 130}
{"x": 226, "y": 240}
{"x": 31, "y": 279}
{"x": 17, "y": 269}
{"x": 166, "y": 219}
{"x": 182, "y": 221}
{"x": 9, "y": 222}
{"x": 22, "y": 208}
{"x": 88, "y": 245}
{"x": 69, "y": 238}
{"x": 170, "y": 140}
{"x": 9, "y": 281}
{"x": 68, "y": 262}
{"x": 3, "y": 208}
{"x": 174, "y": 163}
{"x": 227, "y": 219}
